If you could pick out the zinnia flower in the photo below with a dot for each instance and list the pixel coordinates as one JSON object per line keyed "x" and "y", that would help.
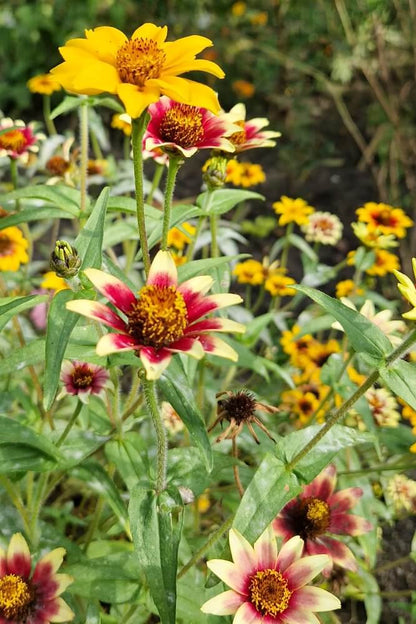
{"x": 13, "y": 248}
{"x": 182, "y": 129}
{"x": 408, "y": 290}
{"x": 323, "y": 227}
{"x": 383, "y": 407}
{"x": 17, "y": 139}
{"x": 139, "y": 70}
{"x": 267, "y": 586}
{"x": 164, "y": 319}
{"x": 318, "y": 511}
{"x": 381, "y": 319}
{"x": 385, "y": 218}
{"x": 292, "y": 210}
{"x": 83, "y": 379}
{"x": 251, "y": 134}
{"x": 45, "y": 84}
{"x": 244, "y": 174}
{"x": 32, "y": 597}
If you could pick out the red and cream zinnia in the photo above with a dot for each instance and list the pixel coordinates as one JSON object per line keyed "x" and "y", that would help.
{"x": 267, "y": 586}
{"x": 28, "y": 597}
{"x": 165, "y": 318}
{"x": 317, "y": 511}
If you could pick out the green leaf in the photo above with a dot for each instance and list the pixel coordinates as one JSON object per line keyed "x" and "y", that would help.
{"x": 176, "y": 389}
{"x": 10, "y": 306}
{"x": 63, "y": 197}
{"x": 156, "y": 530}
{"x": 127, "y": 456}
{"x": 29, "y": 214}
{"x": 221, "y": 201}
{"x": 179, "y": 214}
{"x": 28, "y": 355}
{"x": 68, "y": 104}
{"x": 271, "y": 487}
{"x": 303, "y": 246}
{"x": 23, "y": 449}
{"x": 205, "y": 267}
{"x": 400, "y": 377}
{"x": 89, "y": 242}
{"x": 365, "y": 336}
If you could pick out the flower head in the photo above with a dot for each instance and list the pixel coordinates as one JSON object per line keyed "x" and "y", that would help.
{"x": 178, "y": 237}
{"x": 17, "y": 139}
{"x": 278, "y": 284}
{"x": 385, "y": 262}
{"x": 385, "y": 218}
{"x": 122, "y": 122}
{"x": 13, "y": 248}
{"x": 64, "y": 259}
{"x": 347, "y": 287}
{"x": 383, "y": 407}
{"x": 182, "y": 129}
{"x": 83, "y": 379}
{"x": 373, "y": 237}
{"x": 408, "y": 290}
{"x": 268, "y": 586}
{"x": 381, "y": 319}
{"x": 317, "y": 511}
{"x": 243, "y": 88}
{"x": 292, "y": 210}
{"x": 239, "y": 409}
{"x": 251, "y": 133}
{"x": 324, "y": 228}
{"x": 139, "y": 70}
{"x": 164, "y": 319}
{"x": 244, "y": 174}
{"x": 27, "y": 596}
{"x": 45, "y": 84}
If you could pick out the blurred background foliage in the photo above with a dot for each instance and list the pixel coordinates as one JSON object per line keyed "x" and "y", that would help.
{"x": 336, "y": 77}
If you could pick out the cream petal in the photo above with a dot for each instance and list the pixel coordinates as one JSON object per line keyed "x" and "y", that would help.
{"x": 18, "y": 556}
{"x": 113, "y": 343}
{"x": 290, "y": 552}
{"x": 52, "y": 561}
{"x": 215, "y": 324}
{"x": 226, "y": 603}
{"x": 198, "y": 285}
{"x": 63, "y": 581}
{"x": 230, "y": 574}
{"x": 112, "y": 288}
{"x": 216, "y": 346}
{"x": 98, "y": 312}
{"x": 305, "y": 569}
{"x": 154, "y": 362}
{"x": 247, "y": 614}
{"x": 315, "y": 599}
{"x": 64, "y": 614}
{"x": 298, "y": 616}
{"x": 266, "y": 549}
{"x": 163, "y": 271}
{"x": 242, "y": 552}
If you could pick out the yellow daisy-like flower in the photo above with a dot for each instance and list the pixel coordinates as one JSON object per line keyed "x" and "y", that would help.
{"x": 297, "y": 347}
{"x": 384, "y": 263}
{"x": 371, "y": 236}
{"x": 122, "y": 122}
{"x": 345, "y": 288}
{"x": 292, "y": 210}
{"x": 244, "y": 174}
{"x": 408, "y": 290}
{"x": 386, "y": 218}
{"x": 45, "y": 84}
{"x": 249, "y": 272}
{"x": 179, "y": 237}
{"x": 243, "y": 88}
{"x": 13, "y": 248}
{"x": 278, "y": 284}
{"x": 138, "y": 70}
{"x": 51, "y": 281}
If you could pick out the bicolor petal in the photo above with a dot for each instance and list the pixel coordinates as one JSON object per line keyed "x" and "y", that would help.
{"x": 112, "y": 288}
{"x": 226, "y": 603}
{"x": 302, "y": 571}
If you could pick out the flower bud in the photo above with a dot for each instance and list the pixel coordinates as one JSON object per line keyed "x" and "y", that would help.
{"x": 64, "y": 260}
{"x": 215, "y": 171}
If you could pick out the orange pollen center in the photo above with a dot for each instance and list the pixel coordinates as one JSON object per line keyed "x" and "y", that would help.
{"x": 269, "y": 592}
{"x": 385, "y": 218}
{"x": 325, "y": 225}
{"x": 57, "y": 165}
{"x": 82, "y": 377}
{"x": 12, "y": 140}
{"x": 139, "y": 60}
{"x": 16, "y": 596}
{"x": 6, "y": 245}
{"x": 239, "y": 138}
{"x": 315, "y": 516}
{"x": 182, "y": 124}
{"x": 159, "y": 317}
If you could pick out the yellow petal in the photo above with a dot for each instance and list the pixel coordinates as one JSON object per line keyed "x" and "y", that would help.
{"x": 151, "y": 31}
{"x": 185, "y": 48}
{"x": 183, "y": 65}
{"x": 97, "y": 75}
{"x": 105, "y": 42}
{"x": 136, "y": 100}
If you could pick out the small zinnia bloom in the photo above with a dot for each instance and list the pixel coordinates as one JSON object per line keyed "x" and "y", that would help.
{"x": 384, "y": 263}
{"x": 317, "y": 511}
{"x": 249, "y": 272}
{"x": 324, "y": 228}
{"x": 244, "y": 174}
{"x": 18, "y": 141}
{"x": 82, "y": 379}
{"x": 278, "y": 284}
{"x": 267, "y": 586}
{"x": 183, "y": 129}
{"x": 347, "y": 287}
{"x": 122, "y": 122}
{"x": 292, "y": 210}
{"x": 32, "y": 597}
{"x": 408, "y": 290}
{"x": 45, "y": 84}
{"x": 386, "y": 218}
{"x": 178, "y": 237}
{"x": 373, "y": 237}
{"x": 402, "y": 492}
{"x": 139, "y": 70}
{"x": 164, "y": 319}
{"x": 251, "y": 134}
{"x": 13, "y": 248}
{"x": 383, "y": 407}
{"x": 381, "y": 319}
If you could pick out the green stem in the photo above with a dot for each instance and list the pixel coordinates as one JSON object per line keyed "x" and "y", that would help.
{"x": 191, "y": 246}
{"x": 162, "y": 443}
{"x": 96, "y": 146}
{"x": 213, "y": 222}
{"x": 50, "y": 126}
{"x": 174, "y": 164}
{"x": 208, "y": 544}
{"x": 83, "y": 165}
{"x": 285, "y": 250}
{"x": 159, "y": 169}
{"x": 69, "y": 424}
{"x": 342, "y": 411}
{"x": 16, "y": 500}
{"x": 138, "y": 129}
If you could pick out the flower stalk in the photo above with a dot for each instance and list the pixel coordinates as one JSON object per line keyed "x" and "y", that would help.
{"x": 138, "y": 129}
{"x": 174, "y": 164}
{"x": 149, "y": 390}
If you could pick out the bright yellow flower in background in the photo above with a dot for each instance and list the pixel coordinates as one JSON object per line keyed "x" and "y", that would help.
{"x": 45, "y": 84}
{"x": 371, "y": 236}
{"x": 13, "y": 248}
{"x": 278, "y": 284}
{"x": 249, "y": 272}
{"x": 408, "y": 290}
{"x": 244, "y": 174}
{"x": 138, "y": 70}
{"x": 384, "y": 263}
{"x": 347, "y": 287}
{"x": 385, "y": 218}
{"x": 238, "y": 9}
{"x": 179, "y": 237}
{"x": 122, "y": 122}
{"x": 292, "y": 210}
{"x": 51, "y": 281}
{"x": 243, "y": 88}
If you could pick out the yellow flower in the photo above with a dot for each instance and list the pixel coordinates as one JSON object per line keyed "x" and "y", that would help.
{"x": 292, "y": 210}
{"x": 45, "y": 84}
{"x": 278, "y": 284}
{"x": 356, "y": 377}
{"x": 122, "y": 122}
{"x": 297, "y": 347}
{"x": 412, "y": 449}
{"x": 179, "y": 237}
{"x": 51, "y": 281}
{"x": 238, "y": 9}
{"x": 385, "y": 218}
{"x": 12, "y": 249}
{"x": 138, "y": 70}
{"x": 249, "y": 272}
{"x": 304, "y": 401}
{"x": 371, "y": 236}
{"x": 244, "y": 174}
{"x": 203, "y": 502}
{"x": 384, "y": 263}
{"x": 408, "y": 290}
{"x": 346, "y": 288}
{"x": 243, "y": 88}
{"x": 259, "y": 19}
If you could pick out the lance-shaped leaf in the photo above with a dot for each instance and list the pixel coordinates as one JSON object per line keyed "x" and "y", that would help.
{"x": 61, "y": 196}
{"x": 23, "y": 449}
{"x": 9, "y": 306}
{"x": 89, "y": 242}
{"x": 400, "y": 377}
{"x": 221, "y": 201}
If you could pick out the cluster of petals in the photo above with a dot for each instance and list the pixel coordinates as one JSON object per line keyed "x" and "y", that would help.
{"x": 17, "y": 139}
{"x": 382, "y": 319}
{"x": 181, "y": 129}
{"x": 324, "y": 228}
{"x": 251, "y": 133}
{"x": 268, "y": 586}
{"x": 319, "y": 510}
{"x": 82, "y": 379}
{"x": 138, "y": 70}
{"x": 293, "y": 210}
{"x": 13, "y": 249}
{"x": 385, "y": 218}
{"x": 44, "y": 84}
{"x": 32, "y": 597}
{"x": 164, "y": 319}
{"x": 408, "y": 290}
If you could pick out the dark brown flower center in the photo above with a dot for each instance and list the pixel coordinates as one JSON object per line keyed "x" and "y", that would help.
{"x": 159, "y": 317}
{"x": 82, "y": 377}
{"x": 16, "y": 597}
{"x": 384, "y": 217}
{"x": 269, "y": 592}
{"x": 182, "y": 124}
{"x": 56, "y": 165}
{"x": 13, "y": 140}
{"x": 311, "y": 517}
{"x": 139, "y": 60}
{"x": 240, "y": 406}
{"x": 6, "y": 245}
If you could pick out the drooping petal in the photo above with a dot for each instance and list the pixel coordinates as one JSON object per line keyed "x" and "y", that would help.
{"x": 265, "y": 549}
{"x": 230, "y": 573}
{"x": 242, "y": 552}
{"x": 163, "y": 271}
{"x": 314, "y": 599}
{"x": 302, "y": 571}
{"x": 155, "y": 362}
{"x": 112, "y": 343}
{"x": 216, "y": 346}
{"x": 135, "y": 99}
{"x": 112, "y": 288}
{"x": 18, "y": 556}
{"x": 290, "y": 552}
{"x": 98, "y": 312}
{"x": 323, "y": 485}
{"x": 226, "y": 603}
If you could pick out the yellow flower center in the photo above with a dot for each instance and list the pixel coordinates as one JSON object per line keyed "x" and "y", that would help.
{"x": 139, "y": 60}
{"x": 239, "y": 138}
{"x": 16, "y": 596}
{"x": 269, "y": 592}
{"x": 12, "y": 140}
{"x": 314, "y": 517}
{"x": 6, "y": 245}
{"x": 182, "y": 124}
{"x": 159, "y": 317}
